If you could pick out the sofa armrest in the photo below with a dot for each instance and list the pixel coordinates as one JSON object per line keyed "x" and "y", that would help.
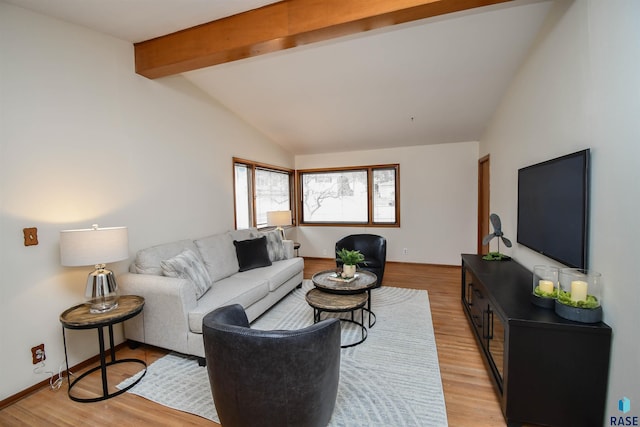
{"x": 164, "y": 320}
{"x": 288, "y": 248}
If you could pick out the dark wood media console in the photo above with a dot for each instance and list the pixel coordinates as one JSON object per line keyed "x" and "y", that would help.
{"x": 546, "y": 370}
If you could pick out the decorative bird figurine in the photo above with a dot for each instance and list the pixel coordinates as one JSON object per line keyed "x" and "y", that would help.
{"x": 497, "y": 232}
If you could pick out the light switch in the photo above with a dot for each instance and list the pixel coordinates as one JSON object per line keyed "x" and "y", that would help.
{"x": 30, "y": 236}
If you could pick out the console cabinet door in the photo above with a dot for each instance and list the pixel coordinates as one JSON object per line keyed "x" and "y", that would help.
{"x": 476, "y": 303}
{"x": 495, "y": 344}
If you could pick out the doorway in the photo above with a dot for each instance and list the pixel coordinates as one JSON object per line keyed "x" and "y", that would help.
{"x": 483, "y": 202}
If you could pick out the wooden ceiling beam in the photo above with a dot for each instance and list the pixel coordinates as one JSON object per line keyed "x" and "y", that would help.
{"x": 280, "y": 26}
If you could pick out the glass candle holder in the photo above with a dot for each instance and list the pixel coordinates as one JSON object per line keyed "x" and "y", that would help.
{"x": 580, "y": 295}
{"x": 544, "y": 285}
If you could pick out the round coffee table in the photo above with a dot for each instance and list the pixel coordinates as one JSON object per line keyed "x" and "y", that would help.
{"x": 339, "y": 303}
{"x": 364, "y": 281}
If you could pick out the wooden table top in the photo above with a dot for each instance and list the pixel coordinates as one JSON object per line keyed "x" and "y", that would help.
{"x": 79, "y": 317}
{"x": 322, "y": 300}
{"x": 328, "y": 281}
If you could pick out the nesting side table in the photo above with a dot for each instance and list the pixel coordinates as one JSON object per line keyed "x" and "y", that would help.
{"x": 339, "y": 303}
{"x": 78, "y": 317}
{"x": 364, "y": 282}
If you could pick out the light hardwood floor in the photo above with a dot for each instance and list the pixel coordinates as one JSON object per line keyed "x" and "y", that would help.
{"x": 469, "y": 395}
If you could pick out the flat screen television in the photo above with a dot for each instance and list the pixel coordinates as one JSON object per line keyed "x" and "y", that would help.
{"x": 553, "y": 208}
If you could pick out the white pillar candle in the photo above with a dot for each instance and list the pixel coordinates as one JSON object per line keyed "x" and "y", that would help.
{"x": 546, "y": 286}
{"x": 578, "y": 290}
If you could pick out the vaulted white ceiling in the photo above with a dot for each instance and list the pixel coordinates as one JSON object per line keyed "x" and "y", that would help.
{"x": 432, "y": 81}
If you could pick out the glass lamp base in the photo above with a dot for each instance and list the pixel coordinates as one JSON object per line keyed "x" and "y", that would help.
{"x": 102, "y": 307}
{"x": 102, "y": 291}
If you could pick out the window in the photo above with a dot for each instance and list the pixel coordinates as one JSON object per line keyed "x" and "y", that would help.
{"x": 366, "y": 195}
{"x": 259, "y": 189}
{"x": 384, "y": 195}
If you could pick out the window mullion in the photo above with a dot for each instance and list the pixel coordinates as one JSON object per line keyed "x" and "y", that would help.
{"x": 253, "y": 196}
{"x": 370, "y": 195}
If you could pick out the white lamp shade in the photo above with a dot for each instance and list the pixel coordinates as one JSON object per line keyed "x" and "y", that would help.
{"x": 93, "y": 246}
{"x": 279, "y": 218}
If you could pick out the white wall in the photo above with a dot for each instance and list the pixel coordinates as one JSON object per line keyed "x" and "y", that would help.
{"x": 580, "y": 88}
{"x": 84, "y": 140}
{"x": 438, "y": 203}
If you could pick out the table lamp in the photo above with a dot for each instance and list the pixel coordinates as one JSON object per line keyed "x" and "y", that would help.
{"x": 278, "y": 219}
{"x": 96, "y": 246}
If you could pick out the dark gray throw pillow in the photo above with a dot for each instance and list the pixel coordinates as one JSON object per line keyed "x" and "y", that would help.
{"x": 252, "y": 253}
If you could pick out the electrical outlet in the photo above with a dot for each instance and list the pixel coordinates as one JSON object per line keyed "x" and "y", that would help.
{"x": 405, "y": 251}
{"x": 37, "y": 354}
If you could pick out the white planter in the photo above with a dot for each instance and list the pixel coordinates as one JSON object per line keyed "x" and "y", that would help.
{"x": 348, "y": 270}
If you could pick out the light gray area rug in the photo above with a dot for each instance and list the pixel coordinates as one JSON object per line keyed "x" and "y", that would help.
{"x": 392, "y": 379}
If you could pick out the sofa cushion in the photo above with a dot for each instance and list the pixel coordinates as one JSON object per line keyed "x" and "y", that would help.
{"x": 243, "y": 234}
{"x": 274, "y": 245}
{"x": 148, "y": 260}
{"x": 232, "y": 290}
{"x": 188, "y": 265}
{"x": 252, "y": 253}
{"x": 219, "y": 255}
{"x": 277, "y": 273}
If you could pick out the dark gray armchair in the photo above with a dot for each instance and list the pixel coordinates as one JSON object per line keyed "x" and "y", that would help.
{"x": 374, "y": 249}
{"x": 271, "y": 378}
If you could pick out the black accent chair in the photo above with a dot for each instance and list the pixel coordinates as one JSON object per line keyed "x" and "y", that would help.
{"x": 374, "y": 249}
{"x": 271, "y": 378}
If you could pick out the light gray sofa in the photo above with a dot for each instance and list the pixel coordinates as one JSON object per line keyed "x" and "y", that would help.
{"x": 173, "y": 311}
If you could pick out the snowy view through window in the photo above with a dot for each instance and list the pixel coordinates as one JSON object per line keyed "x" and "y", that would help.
{"x": 328, "y": 196}
{"x": 342, "y": 196}
{"x": 272, "y": 193}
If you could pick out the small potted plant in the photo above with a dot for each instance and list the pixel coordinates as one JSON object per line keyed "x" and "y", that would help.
{"x": 350, "y": 259}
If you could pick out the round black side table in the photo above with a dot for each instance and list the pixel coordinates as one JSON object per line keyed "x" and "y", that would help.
{"x": 79, "y": 317}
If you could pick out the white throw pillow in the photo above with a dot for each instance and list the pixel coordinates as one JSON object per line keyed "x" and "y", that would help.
{"x": 187, "y": 265}
{"x": 275, "y": 247}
